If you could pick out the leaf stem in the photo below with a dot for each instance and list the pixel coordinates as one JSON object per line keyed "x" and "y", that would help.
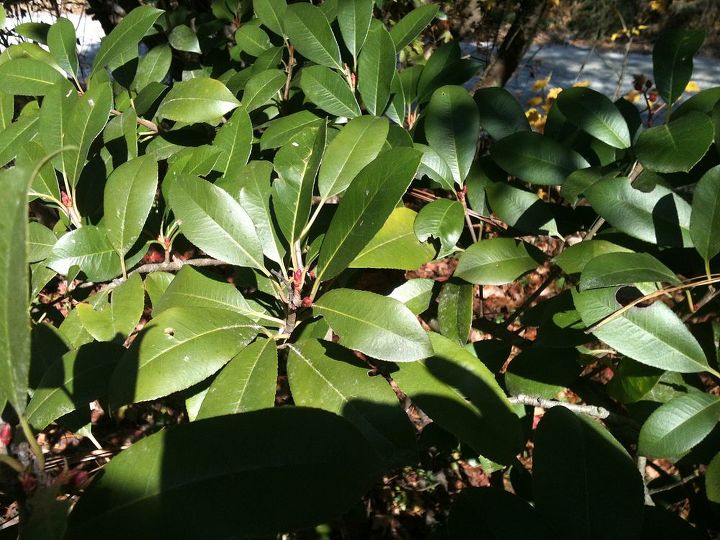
{"x": 32, "y": 441}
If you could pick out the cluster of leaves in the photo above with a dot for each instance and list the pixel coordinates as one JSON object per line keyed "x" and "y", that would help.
{"x": 283, "y": 154}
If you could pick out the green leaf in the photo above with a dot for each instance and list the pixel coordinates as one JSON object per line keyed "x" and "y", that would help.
{"x": 354, "y": 18}
{"x": 27, "y": 77}
{"x": 677, "y": 146}
{"x": 121, "y": 45}
{"x": 117, "y": 320}
{"x": 677, "y": 426}
{"x": 215, "y": 222}
{"x": 37, "y": 31}
{"x": 584, "y": 481}
{"x": 280, "y": 465}
{"x": 45, "y": 182}
{"x": 623, "y": 269}
{"x": 455, "y": 310}
{"x": 234, "y": 140}
{"x": 705, "y": 216}
{"x": 367, "y": 204}
{"x": 283, "y": 129}
{"x": 271, "y": 13}
{"x": 673, "y": 62}
{"x": 177, "y": 349}
{"x": 16, "y": 136}
{"x": 197, "y": 100}
{"x": 573, "y": 259}
{"x": 54, "y": 123}
{"x": 659, "y": 217}
{"x": 459, "y": 393}
{"x": 395, "y": 245}
{"x": 261, "y": 88}
{"x": 156, "y": 284}
{"x": 252, "y": 39}
{"x": 712, "y": 480}
{"x": 129, "y": 196}
{"x": 40, "y": 241}
{"x": 86, "y": 121}
{"x": 153, "y": 67}
{"x": 500, "y": 112}
{"x": 536, "y": 158}
{"x": 14, "y": 284}
{"x": 412, "y": 24}
{"x": 376, "y": 325}
{"x": 329, "y": 91}
{"x": 327, "y": 376}
{"x": 89, "y": 249}
{"x": 416, "y": 294}
{"x": 445, "y": 66}
{"x": 434, "y": 167}
{"x": 376, "y": 69}
{"x": 442, "y": 218}
{"x": 652, "y": 335}
{"x": 452, "y": 128}
{"x": 542, "y": 372}
{"x": 521, "y": 209}
{"x": 309, "y": 31}
{"x": 61, "y": 41}
{"x": 704, "y": 102}
{"x": 595, "y": 114}
{"x": 247, "y": 383}
{"x": 182, "y": 38}
{"x": 497, "y": 261}
{"x": 297, "y": 165}
{"x": 357, "y": 145}
{"x": 632, "y": 381}
{"x": 7, "y": 109}
{"x": 70, "y": 384}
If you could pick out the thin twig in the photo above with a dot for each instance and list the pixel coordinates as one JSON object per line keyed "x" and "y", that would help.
{"x": 710, "y": 295}
{"x": 174, "y": 266}
{"x": 590, "y": 410}
{"x": 552, "y": 276}
{"x": 679, "y": 483}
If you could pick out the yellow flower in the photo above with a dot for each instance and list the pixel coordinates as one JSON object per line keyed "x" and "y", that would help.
{"x": 553, "y": 93}
{"x": 532, "y": 115}
{"x": 632, "y": 96}
{"x": 535, "y": 101}
{"x": 692, "y": 86}
{"x": 582, "y": 84}
{"x": 657, "y": 5}
{"x": 540, "y": 84}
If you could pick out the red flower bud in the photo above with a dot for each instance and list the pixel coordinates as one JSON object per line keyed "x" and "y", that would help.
{"x": 5, "y": 434}
{"x": 307, "y": 302}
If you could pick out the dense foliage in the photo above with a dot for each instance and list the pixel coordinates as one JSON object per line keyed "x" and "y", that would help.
{"x": 214, "y": 213}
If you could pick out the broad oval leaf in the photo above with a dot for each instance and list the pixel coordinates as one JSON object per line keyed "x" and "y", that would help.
{"x": 261, "y": 88}
{"x": 27, "y": 77}
{"x": 117, "y": 320}
{"x": 705, "y": 216}
{"x": 329, "y": 91}
{"x": 90, "y": 250}
{"x": 182, "y": 38}
{"x": 452, "y": 128}
{"x": 61, "y": 41}
{"x": 416, "y": 294}
{"x": 542, "y": 372}
{"x": 354, "y": 18}
{"x": 521, "y": 209}
{"x": 376, "y": 69}
{"x": 623, "y": 269}
{"x": 215, "y": 222}
{"x": 282, "y": 130}
{"x": 442, "y": 218}
{"x": 197, "y": 100}
{"x": 572, "y": 492}
{"x": 234, "y": 140}
{"x": 673, "y": 63}
{"x": 497, "y": 261}
{"x": 652, "y": 335}
{"x": 536, "y": 158}
{"x": 271, "y": 13}
{"x": 595, "y": 114}
{"x": 252, "y": 39}
{"x": 412, "y": 24}
{"x": 152, "y": 67}
{"x": 574, "y": 258}
{"x": 500, "y": 112}
{"x": 455, "y": 310}
{"x": 309, "y": 31}
{"x": 247, "y": 383}
{"x": 376, "y": 325}
{"x": 40, "y": 241}
{"x": 677, "y": 426}
{"x": 676, "y": 146}
{"x": 279, "y": 466}
{"x": 178, "y": 348}
{"x": 14, "y": 137}
{"x": 712, "y": 480}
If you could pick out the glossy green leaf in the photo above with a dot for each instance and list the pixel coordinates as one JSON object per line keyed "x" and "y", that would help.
{"x": 327, "y": 376}
{"x": 455, "y": 310}
{"x": 72, "y": 383}
{"x": 678, "y": 425}
{"x": 281, "y": 466}
{"x": 395, "y": 245}
{"x": 536, "y": 158}
{"x": 282, "y": 129}
{"x": 704, "y": 102}
{"x": 595, "y": 114}
{"x": 89, "y": 249}
{"x": 27, "y": 77}
{"x": 584, "y": 482}
{"x": 367, "y": 204}
{"x": 215, "y": 222}
{"x": 542, "y": 372}
{"x": 329, "y": 91}
{"x": 500, "y": 112}
{"x": 197, "y": 100}
{"x": 412, "y": 24}
{"x": 623, "y": 269}
{"x": 121, "y": 45}
{"x": 36, "y": 31}
{"x": 434, "y": 166}
{"x": 117, "y": 320}
{"x": 443, "y": 219}
{"x": 354, "y": 18}
{"x": 309, "y": 30}
{"x": 521, "y": 209}
{"x": 7, "y": 109}
{"x": 376, "y": 325}
{"x": 574, "y": 258}
{"x": 15, "y": 137}
{"x": 445, "y": 66}
{"x": 659, "y": 217}
{"x": 129, "y": 196}
{"x": 459, "y": 393}
{"x": 177, "y": 349}
{"x": 156, "y": 284}
{"x": 271, "y": 13}
{"x": 452, "y": 128}
{"x": 14, "y": 306}
{"x": 357, "y": 144}
{"x": 182, "y": 38}
{"x": 234, "y": 140}
{"x": 712, "y": 480}
{"x": 705, "y": 216}
{"x": 40, "y": 241}
{"x": 45, "y": 182}
{"x": 153, "y": 66}
{"x": 416, "y": 294}
{"x": 261, "y": 88}
{"x": 247, "y": 383}
{"x": 677, "y": 146}
{"x": 376, "y": 69}
{"x": 652, "y": 335}
{"x": 673, "y": 62}
{"x": 497, "y": 261}
{"x": 632, "y": 381}
{"x": 54, "y": 122}
{"x": 61, "y": 41}
{"x": 252, "y": 39}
